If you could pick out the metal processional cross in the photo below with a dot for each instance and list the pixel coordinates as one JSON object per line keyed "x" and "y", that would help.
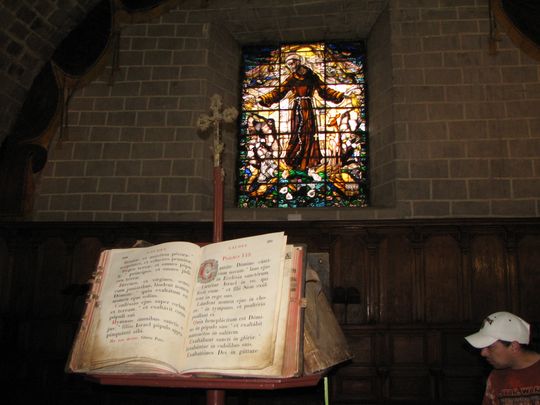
{"x": 218, "y": 115}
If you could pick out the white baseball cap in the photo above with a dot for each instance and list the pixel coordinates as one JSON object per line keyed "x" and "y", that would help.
{"x": 500, "y": 326}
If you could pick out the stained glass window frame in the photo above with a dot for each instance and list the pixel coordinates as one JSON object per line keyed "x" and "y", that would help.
{"x": 272, "y": 172}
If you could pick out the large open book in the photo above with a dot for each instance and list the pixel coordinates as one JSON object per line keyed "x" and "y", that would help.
{"x": 230, "y": 308}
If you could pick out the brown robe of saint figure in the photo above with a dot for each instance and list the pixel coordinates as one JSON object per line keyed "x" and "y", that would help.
{"x": 303, "y": 149}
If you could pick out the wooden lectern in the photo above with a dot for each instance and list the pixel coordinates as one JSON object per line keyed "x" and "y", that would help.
{"x": 215, "y": 387}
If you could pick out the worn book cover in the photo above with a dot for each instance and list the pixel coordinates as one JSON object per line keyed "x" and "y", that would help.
{"x": 325, "y": 345}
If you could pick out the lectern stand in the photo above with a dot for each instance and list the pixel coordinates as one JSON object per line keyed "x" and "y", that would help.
{"x": 215, "y": 387}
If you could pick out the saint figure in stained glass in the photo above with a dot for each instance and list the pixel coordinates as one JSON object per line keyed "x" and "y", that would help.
{"x": 303, "y": 134}
{"x": 303, "y": 149}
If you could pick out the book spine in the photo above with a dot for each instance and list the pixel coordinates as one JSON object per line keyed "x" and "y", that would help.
{"x": 76, "y": 361}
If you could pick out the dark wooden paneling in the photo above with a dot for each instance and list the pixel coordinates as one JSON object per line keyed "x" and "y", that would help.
{"x": 413, "y": 290}
{"x": 489, "y": 275}
{"x": 396, "y": 279}
{"x": 529, "y": 275}
{"x": 444, "y": 290}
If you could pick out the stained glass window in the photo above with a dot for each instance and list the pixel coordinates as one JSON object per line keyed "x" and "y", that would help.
{"x": 303, "y": 140}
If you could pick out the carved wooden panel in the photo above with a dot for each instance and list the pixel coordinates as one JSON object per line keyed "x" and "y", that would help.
{"x": 489, "y": 275}
{"x": 443, "y": 278}
{"x": 356, "y": 385}
{"x": 409, "y": 384}
{"x": 52, "y": 276}
{"x": 396, "y": 263}
{"x": 529, "y": 276}
{"x": 349, "y": 258}
{"x": 408, "y": 348}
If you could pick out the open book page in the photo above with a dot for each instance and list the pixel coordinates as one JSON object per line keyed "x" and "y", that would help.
{"x": 236, "y": 305}
{"x": 143, "y": 296}
{"x": 281, "y": 346}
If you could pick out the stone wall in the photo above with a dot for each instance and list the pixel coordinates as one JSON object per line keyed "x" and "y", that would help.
{"x": 454, "y": 130}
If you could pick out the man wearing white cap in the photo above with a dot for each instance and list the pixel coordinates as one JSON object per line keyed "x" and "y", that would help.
{"x": 504, "y": 342}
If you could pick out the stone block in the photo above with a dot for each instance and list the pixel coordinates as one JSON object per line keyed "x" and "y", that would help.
{"x": 132, "y": 134}
{"x": 165, "y": 135}
{"x": 174, "y": 185}
{"x": 440, "y": 43}
{"x": 182, "y": 150}
{"x": 92, "y": 118}
{"x": 155, "y": 167}
{"x": 112, "y": 185}
{"x": 197, "y": 57}
{"x": 143, "y": 185}
{"x": 429, "y": 169}
{"x": 470, "y": 208}
{"x": 163, "y": 103}
{"x": 119, "y": 150}
{"x": 183, "y": 167}
{"x": 465, "y": 93}
{"x": 449, "y": 189}
{"x": 100, "y": 168}
{"x": 514, "y": 208}
{"x": 182, "y": 202}
{"x": 526, "y": 188}
{"x": 151, "y": 118}
{"x": 166, "y": 72}
{"x": 138, "y": 73}
{"x": 508, "y": 128}
{"x": 430, "y": 209}
{"x": 69, "y": 169}
{"x": 125, "y": 89}
{"x": 107, "y": 134}
{"x": 153, "y": 202}
{"x": 469, "y": 168}
{"x": 147, "y": 150}
{"x": 65, "y": 202}
{"x": 179, "y": 118}
{"x": 142, "y": 43}
{"x": 121, "y": 118}
{"x": 155, "y": 88}
{"x": 125, "y": 202}
{"x": 413, "y": 190}
{"x": 418, "y": 94}
{"x": 457, "y": 27}
{"x": 445, "y": 111}
{"x": 128, "y": 168}
{"x": 487, "y": 149}
{"x": 512, "y": 168}
{"x": 87, "y": 151}
{"x": 526, "y": 108}
{"x": 82, "y": 185}
{"x": 161, "y": 30}
{"x": 50, "y": 185}
{"x": 469, "y": 129}
{"x": 447, "y": 150}
{"x": 190, "y": 30}
{"x": 135, "y": 103}
{"x": 487, "y": 110}
{"x": 140, "y": 216}
{"x": 489, "y": 189}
